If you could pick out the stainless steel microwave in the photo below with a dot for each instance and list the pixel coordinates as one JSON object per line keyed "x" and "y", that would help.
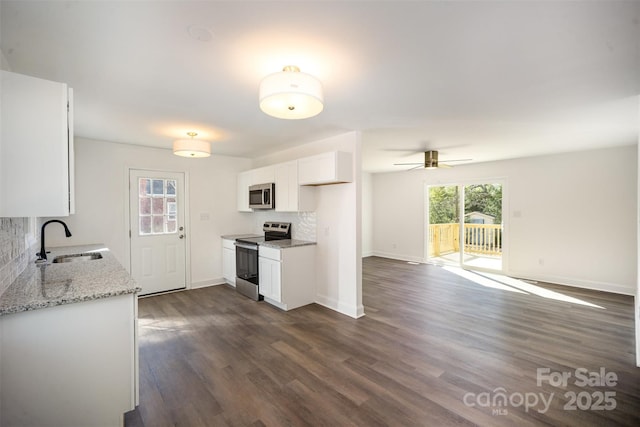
{"x": 262, "y": 196}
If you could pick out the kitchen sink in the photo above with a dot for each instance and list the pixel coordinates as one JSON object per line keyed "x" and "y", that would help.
{"x": 89, "y": 256}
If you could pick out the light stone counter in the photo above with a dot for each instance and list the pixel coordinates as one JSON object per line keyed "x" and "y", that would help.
{"x": 286, "y": 244}
{"x": 49, "y": 285}
{"x": 240, "y": 236}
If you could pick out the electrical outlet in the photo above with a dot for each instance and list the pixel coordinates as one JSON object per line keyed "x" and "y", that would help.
{"x": 540, "y": 261}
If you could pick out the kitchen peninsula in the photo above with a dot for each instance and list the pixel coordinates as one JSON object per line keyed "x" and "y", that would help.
{"x": 68, "y": 335}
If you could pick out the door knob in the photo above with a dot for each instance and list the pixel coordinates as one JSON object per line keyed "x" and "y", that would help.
{"x": 181, "y": 236}
{"x": 181, "y": 228}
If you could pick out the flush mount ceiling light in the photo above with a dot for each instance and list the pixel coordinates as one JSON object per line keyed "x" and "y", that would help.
{"x": 191, "y": 147}
{"x": 291, "y": 94}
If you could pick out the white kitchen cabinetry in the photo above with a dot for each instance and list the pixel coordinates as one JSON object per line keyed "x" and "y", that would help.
{"x": 229, "y": 261}
{"x": 70, "y": 365}
{"x": 36, "y": 165}
{"x": 244, "y": 179}
{"x": 333, "y": 167}
{"x": 287, "y": 276}
{"x": 290, "y": 196}
{"x": 263, "y": 175}
{"x": 270, "y": 278}
{"x": 251, "y": 177}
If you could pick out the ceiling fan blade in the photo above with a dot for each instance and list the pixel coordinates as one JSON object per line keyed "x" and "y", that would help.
{"x": 442, "y": 165}
{"x": 415, "y": 167}
{"x": 407, "y": 164}
{"x": 455, "y": 160}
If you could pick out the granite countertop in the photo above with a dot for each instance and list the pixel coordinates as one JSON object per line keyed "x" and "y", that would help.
{"x": 49, "y": 285}
{"x": 240, "y": 236}
{"x": 286, "y": 244}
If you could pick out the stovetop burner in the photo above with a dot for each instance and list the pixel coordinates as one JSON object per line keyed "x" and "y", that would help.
{"x": 272, "y": 231}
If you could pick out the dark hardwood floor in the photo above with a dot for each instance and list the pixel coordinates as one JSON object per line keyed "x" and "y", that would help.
{"x": 434, "y": 349}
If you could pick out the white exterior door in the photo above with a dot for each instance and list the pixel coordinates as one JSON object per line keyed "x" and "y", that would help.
{"x": 157, "y": 218}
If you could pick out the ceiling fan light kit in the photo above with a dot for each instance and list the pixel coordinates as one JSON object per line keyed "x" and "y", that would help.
{"x": 191, "y": 147}
{"x": 291, "y": 94}
{"x": 431, "y": 161}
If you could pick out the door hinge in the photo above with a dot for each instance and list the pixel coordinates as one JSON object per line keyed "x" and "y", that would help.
{"x": 129, "y": 233}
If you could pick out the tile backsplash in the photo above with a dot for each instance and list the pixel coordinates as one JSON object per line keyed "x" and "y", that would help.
{"x": 303, "y": 224}
{"x": 16, "y": 249}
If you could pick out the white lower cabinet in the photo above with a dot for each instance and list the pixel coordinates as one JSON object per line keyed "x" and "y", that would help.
{"x": 269, "y": 272}
{"x": 287, "y": 276}
{"x": 229, "y": 261}
{"x": 70, "y": 365}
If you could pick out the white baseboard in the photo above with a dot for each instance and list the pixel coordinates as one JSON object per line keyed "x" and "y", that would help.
{"x": 399, "y": 257}
{"x": 346, "y": 309}
{"x": 615, "y": 288}
{"x": 207, "y": 283}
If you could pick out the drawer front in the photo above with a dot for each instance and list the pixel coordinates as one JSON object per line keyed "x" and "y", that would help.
{"x": 271, "y": 253}
{"x": 228, "y": 243}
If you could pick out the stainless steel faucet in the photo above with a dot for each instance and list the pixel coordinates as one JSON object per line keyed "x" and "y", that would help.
{"x": 42, "y": 255}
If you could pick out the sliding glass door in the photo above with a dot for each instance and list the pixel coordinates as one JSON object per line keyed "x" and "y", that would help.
{"x": 443, "y": 235}
{"x": 465, "y": 226}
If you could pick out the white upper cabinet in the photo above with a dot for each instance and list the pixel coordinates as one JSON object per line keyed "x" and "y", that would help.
{"x": 251, "y": 177}
{"x": 244, "y": 181}
{"x": 263, "y": 175}
{"x": 290, "y": 196}
{"x": 36, "y": 147}
{"x": 328, "y": 168}
{"x": 294, "y": 180}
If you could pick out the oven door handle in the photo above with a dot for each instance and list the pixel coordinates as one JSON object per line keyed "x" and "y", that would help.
{"x": 246, "y": 246}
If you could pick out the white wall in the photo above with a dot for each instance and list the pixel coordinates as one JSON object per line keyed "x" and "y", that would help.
{"x": 4, "y": 65}
{"x": 101, "y": 193}
{"x": 367, "y": 214}
{"x": 575, "y": 211}
{"x": 637, "y": 294}
{"x": 338, "y": 223}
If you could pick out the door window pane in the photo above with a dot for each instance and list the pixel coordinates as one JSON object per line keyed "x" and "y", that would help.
{"x": 158, "y": 224}
{"x": 144, "y": 187}
{"x": 158, "y": 206}
{"x": 145, "y": 205}
{"x": 171, "y": 186}
{"x": 145, "y": 225}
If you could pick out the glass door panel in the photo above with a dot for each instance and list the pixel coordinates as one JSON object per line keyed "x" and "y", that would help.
{"x": 465, "y": 226}
{"x": 482, "y": 227}
{"x": 443, "y": 237}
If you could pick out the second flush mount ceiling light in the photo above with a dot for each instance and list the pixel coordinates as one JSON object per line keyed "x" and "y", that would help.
{"x": 191, "y": 147}
{"x": 291, "y": 94}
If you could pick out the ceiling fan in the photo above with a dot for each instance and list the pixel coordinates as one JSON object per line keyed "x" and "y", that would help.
{"x": 431, "y": 161}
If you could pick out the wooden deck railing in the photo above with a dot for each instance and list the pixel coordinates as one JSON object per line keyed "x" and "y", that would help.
{"x": 481, "y": 239}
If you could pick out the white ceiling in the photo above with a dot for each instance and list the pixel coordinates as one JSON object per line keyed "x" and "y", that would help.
{"x": 479, "y": 79}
